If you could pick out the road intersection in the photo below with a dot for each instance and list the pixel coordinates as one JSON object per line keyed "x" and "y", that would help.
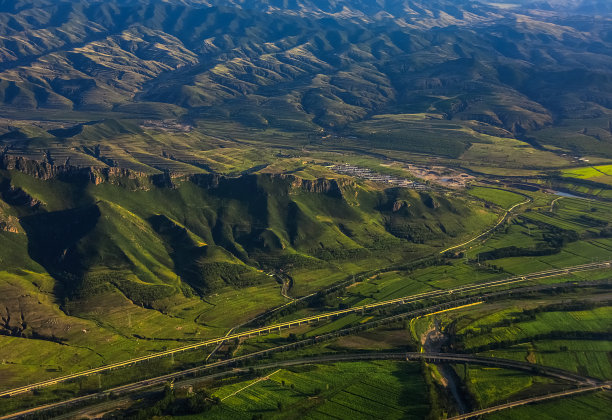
{"x": 315, "y": 318}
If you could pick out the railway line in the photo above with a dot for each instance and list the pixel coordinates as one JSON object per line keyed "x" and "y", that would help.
{"x": 531, "y": 401}
{"x": 315, "y": 318}
{"x": 347, "y": 357}
{"x": 505, "y": 363}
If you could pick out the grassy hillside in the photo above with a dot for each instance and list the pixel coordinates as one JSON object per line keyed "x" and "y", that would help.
{"x": 211, "y": 230}
{"x": 120, "y": 255}
{"x": 170, "y": 170}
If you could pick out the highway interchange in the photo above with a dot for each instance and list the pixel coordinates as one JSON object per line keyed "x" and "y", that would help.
{"x": 583, "y": 383}
{"x": 277, "y": 327}
{"x": 316, "y": 318}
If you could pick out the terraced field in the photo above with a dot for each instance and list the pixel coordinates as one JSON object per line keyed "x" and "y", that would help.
{"x": 575, "y": 340}
{"x": 594, "y": 406}
{"x": 493, "y": 386}
{"x": 575, "y": 232}
{"x": 596, "y": 319}
{"x": 360, "y": 389}
{"x": 503, "y": 198}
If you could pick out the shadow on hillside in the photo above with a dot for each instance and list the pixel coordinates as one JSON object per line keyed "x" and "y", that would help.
{"x": 52, "y": 243}
{"x": 185, "y": 254}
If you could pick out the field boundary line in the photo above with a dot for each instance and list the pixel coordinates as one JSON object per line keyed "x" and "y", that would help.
{"x": 315, "y": 318}
{"x": 263, "y": 378}
{"x": 501, "y": 220}
{"x": 552, "y": 203}
{"x": 528, "y": 401}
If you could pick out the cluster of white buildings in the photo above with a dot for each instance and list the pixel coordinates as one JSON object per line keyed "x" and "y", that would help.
{"x": 167, "y": 125}
{"x": 356, "y": 171}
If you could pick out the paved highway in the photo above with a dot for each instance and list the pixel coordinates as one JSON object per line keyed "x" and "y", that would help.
{"x": 530, "y": 400}
{"x": 315, "y": 318}
{"x": 502, "y": 220}
{"x": 161, "y": 380}
{"x": 505, "y": 363}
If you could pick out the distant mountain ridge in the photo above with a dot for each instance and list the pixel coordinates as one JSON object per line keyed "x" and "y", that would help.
{"x": 307, "y": 65}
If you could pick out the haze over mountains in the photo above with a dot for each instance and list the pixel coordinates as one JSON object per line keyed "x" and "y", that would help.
{"x": 417, "y": 176}
{"x": 310, "y": 65}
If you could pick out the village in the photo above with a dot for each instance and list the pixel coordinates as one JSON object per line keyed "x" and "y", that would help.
{"x": 364, "y": 173}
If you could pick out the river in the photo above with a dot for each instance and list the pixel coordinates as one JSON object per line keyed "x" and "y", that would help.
{"x": 432, "y": 343}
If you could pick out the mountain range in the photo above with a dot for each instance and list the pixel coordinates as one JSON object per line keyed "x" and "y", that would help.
{"x": 514, "y": 68}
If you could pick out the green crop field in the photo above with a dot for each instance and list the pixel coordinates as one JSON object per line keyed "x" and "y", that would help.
{"x": 584, "y": 356}
{"x": 530, "y": 329}
{"x": 363, "y": 389}
{"x": 492, "y": 386}
{"x": 509, "y": 153}
{"x": 167, "y": 175}
{"x": 575, "y": 232}
{"x": 595, "y": 320}
{"x": 577, "y": 136}
{"x": 596, "y": 406}
{"x": 502, "y": 198}
{"x": 386, "y": 286}
{"x": 574, "y": 339}
{"x": 589, "y": 172}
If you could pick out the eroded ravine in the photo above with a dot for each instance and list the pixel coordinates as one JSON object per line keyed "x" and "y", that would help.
{"x": 432, "y": 341}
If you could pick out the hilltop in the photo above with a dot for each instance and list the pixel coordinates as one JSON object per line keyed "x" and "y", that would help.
{"x": 539, "y": 72}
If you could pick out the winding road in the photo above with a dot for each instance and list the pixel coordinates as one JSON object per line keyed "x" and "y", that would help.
{"x": 501, "y": 220}
{"x": 507, "y": 364}
{"x": 530, "y": 401}
{"x": 316, "y": 318}
{"x": 347, "y": 357}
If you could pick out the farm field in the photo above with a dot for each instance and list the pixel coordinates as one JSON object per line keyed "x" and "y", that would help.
{"x": 601, "y": 174}
{"x": 588, "y": 357}
{"x": 491, "y": 386}
{"x": 575, "y": 232}
{"x": 539, "y": 330}
{"x": 596, "y": 406}
{"x": 577, "y": 137}
{"x": 512, "y": 154}
{"x": 394, "y": 284}
{"x": 531, "y": 329}
{"x": 503, "y": 198}
{"x": 364, "y": 389}
{"x": 580, "y": 187}
{"x": 381, "y": 340}
{"x": 591, "y": 320}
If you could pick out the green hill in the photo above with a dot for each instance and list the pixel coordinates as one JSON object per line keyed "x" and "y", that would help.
{"x": 109, "y": 255}
{"x": 140, "y": 236}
